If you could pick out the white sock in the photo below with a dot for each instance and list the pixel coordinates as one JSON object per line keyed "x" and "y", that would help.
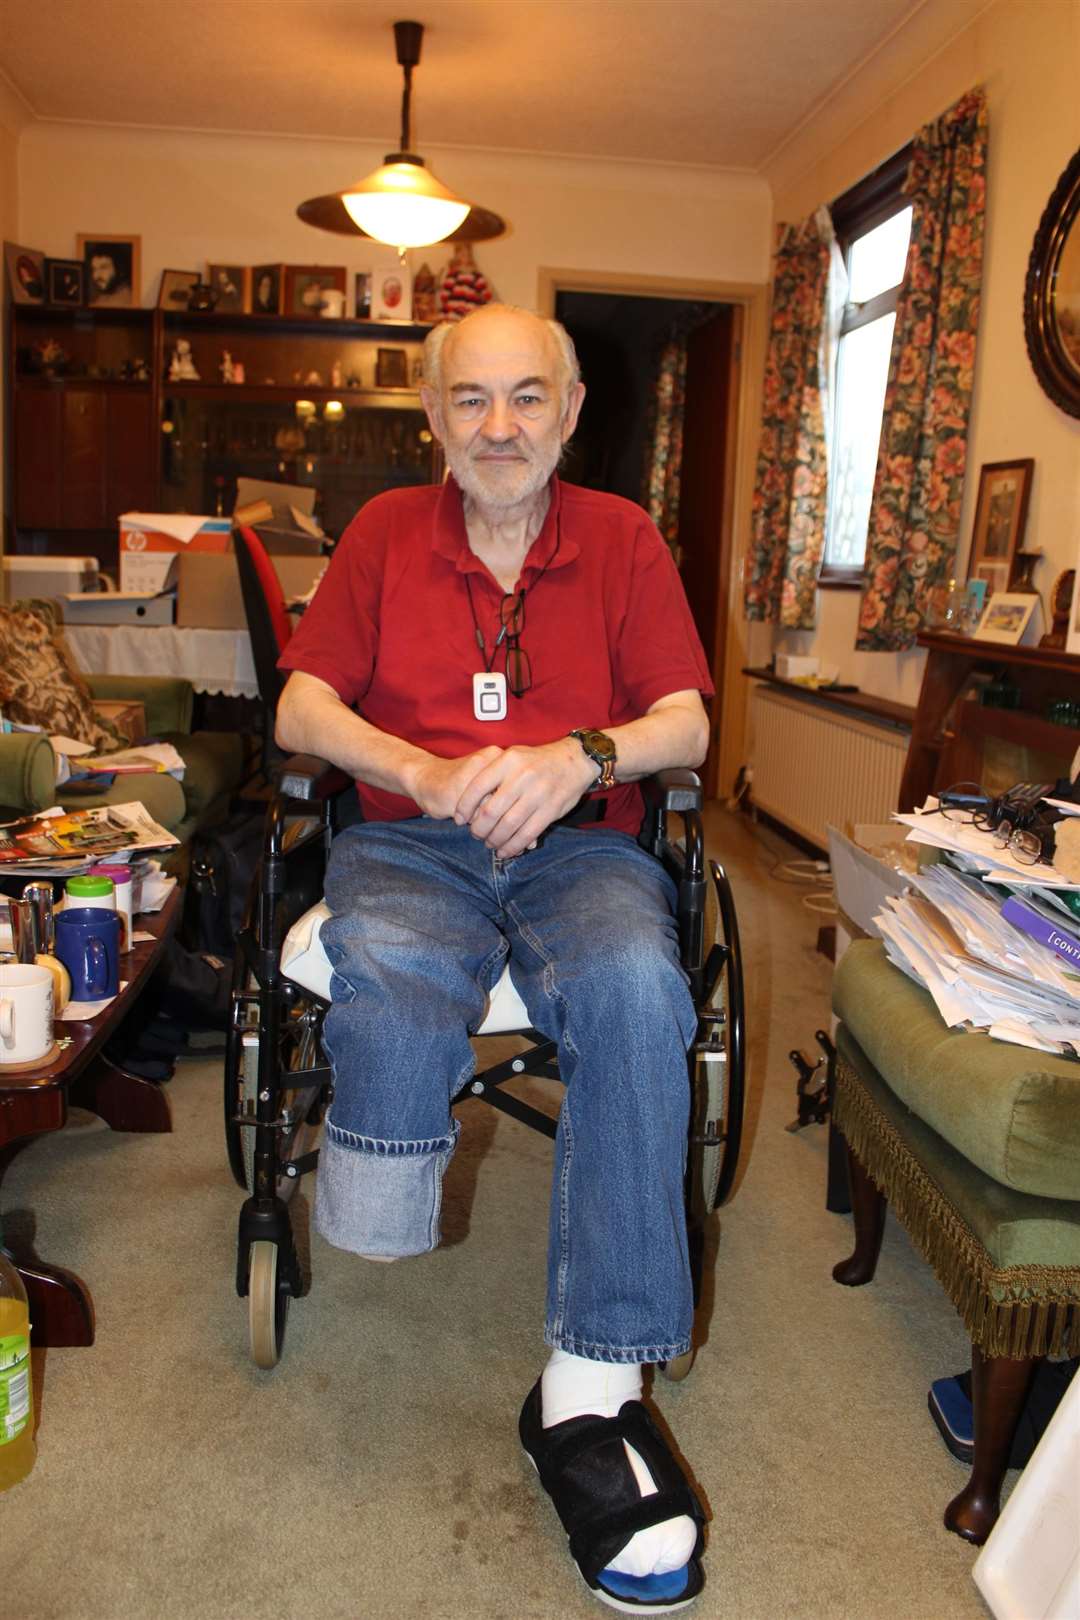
{"x": 571, "y": 1387}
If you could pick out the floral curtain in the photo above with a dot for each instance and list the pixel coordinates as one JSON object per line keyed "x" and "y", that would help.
{"x": 919, "y": 483}
{"x": 663, "y": 465}
{"x": 788, "y": 524}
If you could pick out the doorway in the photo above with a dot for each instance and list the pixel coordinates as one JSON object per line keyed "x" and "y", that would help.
{"x": 619, "y": 330}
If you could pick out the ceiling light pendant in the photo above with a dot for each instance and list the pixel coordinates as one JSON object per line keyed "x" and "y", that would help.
{"x": 402, "y": 203}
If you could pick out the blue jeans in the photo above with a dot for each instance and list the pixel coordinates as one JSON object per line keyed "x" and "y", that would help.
{"x": 424, "y": 918}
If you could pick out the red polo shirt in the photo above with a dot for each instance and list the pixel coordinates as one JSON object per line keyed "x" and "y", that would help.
{"x": 607, "y": 628}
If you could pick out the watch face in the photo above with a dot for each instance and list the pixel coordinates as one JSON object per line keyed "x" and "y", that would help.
{"x": 599, "y": 744}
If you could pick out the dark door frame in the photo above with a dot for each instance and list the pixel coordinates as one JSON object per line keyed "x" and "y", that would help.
{"x": 729, "y": 718}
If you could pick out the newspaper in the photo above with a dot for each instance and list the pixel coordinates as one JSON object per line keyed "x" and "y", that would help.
{"x": 58, "y": 842}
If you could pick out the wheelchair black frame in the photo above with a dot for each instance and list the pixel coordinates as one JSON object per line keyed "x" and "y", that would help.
{"x": 306, "y": 781}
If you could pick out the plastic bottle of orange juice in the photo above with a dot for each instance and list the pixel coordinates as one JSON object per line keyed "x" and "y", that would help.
{"x": 17, "y": 1449}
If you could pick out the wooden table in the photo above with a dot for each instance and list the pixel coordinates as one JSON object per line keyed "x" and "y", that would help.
{"x": 33, "y": 1103}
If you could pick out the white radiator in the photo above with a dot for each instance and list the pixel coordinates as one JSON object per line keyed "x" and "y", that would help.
{"x": 814, "y": 767}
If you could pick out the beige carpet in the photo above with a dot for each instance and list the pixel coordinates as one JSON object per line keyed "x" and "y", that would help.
{"x": 376, "y": 1472}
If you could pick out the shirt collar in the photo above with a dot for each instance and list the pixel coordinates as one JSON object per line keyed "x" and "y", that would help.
{"x": 450, "y": 538}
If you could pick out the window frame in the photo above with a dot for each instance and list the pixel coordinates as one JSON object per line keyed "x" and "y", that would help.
{"x": 867, "y": 204}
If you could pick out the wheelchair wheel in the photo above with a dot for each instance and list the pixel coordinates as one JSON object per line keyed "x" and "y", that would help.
{"x": 717, "y": 1103}
{"x": 302, "y": 1105}
{"x": 268, "y": 1305}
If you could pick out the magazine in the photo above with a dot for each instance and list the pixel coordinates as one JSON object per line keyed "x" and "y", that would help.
{"x": 59, "y": 841}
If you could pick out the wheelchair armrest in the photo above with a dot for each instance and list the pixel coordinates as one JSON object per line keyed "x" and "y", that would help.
{"x": 675, "y": 789}
{"x": 306, "y": 776}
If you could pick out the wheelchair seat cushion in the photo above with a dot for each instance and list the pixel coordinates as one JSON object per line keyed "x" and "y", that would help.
{"x": 583, "y": 1466}
{"x": 305, "y": 962}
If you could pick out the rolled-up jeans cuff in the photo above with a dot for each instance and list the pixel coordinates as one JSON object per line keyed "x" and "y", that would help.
{"x": 375, "y": 1197}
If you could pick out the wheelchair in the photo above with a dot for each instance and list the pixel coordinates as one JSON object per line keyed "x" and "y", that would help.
{"x": 278, "y": 1085}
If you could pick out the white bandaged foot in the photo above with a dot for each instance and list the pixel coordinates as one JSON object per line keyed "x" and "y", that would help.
{"x": 571, "y": 1387}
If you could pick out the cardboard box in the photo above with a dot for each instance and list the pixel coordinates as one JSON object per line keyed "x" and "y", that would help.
{"x": 117, "y": 607}
{"x": 129, "y": 718}
{"x": 208, "y": 588}
{"x": 150, "y": 542}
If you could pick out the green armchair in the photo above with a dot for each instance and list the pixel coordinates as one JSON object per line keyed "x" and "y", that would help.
{"x": 213, "y": 761}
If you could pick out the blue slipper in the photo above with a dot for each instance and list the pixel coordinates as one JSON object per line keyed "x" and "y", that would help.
{"x": 584, "y": 1468}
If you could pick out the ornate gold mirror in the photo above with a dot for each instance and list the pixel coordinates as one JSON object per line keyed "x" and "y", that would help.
{"x": 1052, "y": 294}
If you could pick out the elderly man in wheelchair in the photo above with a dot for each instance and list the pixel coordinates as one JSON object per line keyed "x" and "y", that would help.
{"x": 499, "y": 663}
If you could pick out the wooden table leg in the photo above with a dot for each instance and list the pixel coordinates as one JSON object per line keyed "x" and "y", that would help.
{"x": 125, "y": 1101}
{"x": 868, "y": 1208}
{"x": 61, "y": 1309}
{"x": 999, "y": 1388}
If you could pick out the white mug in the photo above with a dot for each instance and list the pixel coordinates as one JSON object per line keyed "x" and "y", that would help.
{"x": 26, "y": 1012}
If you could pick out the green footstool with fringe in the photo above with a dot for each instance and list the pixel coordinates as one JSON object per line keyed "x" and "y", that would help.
{"x": 975, "y": 1144}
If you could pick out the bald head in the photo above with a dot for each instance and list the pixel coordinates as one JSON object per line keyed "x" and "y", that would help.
{"x": 511, "y": 331}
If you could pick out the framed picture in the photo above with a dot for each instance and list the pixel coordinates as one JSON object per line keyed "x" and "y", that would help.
{"x": 306, "y": 283}
{"x": 1007, "y": 617}
{"x": 363, "y": 295}
{"x": 65, "y": 283}
{"x": 1072, "y": 637}
{"x": 112, "y": 266}
{"x": 26, "y": 274}
{"x": 176, "y": 288}
{"x": 1000, "y": 518}
{"x": 391, "y": 294}
{"x": 232, "y": 283}
{"x": 267, "y": 281}
{"x": 391, "y": 368}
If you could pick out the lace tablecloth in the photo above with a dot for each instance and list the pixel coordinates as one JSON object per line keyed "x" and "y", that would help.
{"x": 212, "y": 660}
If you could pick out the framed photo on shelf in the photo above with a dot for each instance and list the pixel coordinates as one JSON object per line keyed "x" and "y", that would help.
{"x": 112, "y": 266}
{"x": 363, "y": 295}
{"x": 267, "y": 281}
{"x": 1007, "y": 617}
{"x": 65, "y": 282}
{"x": 232, "y": 284}
{"x": 1000, "y": 518}
{"x": 26, "y": 274}
{"x": 391, "y": 294}
{"x": 175, "y": 289}
{"x": 305, "y": 285}
{"x": 391, "y": 368}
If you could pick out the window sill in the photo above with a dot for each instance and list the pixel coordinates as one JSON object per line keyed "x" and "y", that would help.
{"x": 840, "y": 582}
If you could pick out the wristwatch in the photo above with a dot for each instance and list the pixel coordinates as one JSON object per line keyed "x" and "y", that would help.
{"x": 599, "y": 746}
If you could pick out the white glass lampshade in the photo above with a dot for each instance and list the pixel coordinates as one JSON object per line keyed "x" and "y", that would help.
{"x": 404, "y": 205}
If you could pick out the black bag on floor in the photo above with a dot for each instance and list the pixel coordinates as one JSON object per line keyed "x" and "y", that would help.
{"x": 223, "y": 865}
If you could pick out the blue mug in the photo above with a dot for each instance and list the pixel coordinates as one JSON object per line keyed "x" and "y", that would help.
{"x": 88, "y": 944}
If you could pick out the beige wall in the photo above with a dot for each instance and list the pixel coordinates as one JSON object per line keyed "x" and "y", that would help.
{"x": 232, "y": 199}
{"x": 1027, "y": 55}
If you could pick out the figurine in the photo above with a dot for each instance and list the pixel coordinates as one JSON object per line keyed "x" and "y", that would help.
{"x": 425, "y": 307}
{"x": 182, "y": 366}
{"x": 313, "y": 380}
{"x": 238, "y": 371}
{"x": 226, "y": 367}
{"x": 337, "y": 379}
{"x": 463, "y": 287}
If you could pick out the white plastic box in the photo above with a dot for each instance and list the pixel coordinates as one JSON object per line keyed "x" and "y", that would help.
{"x": 48, "y": 576}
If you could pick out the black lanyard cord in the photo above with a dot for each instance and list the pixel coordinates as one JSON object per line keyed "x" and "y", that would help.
{"x": 480, "y": 642}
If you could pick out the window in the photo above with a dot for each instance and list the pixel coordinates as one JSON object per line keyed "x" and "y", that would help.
{"x": 873, "y": 225}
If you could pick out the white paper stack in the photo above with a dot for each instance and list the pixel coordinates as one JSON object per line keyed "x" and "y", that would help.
{"x": 983, "y": 972}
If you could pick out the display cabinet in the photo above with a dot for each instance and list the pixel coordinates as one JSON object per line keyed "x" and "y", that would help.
{"x": 102, "y": 417}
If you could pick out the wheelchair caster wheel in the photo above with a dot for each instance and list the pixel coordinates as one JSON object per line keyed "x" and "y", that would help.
{"x": 675, "y": 1371}
{"x": 268, "y": 1305}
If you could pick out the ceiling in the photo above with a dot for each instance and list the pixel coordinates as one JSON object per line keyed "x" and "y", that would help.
{"x": 718, "y": 82}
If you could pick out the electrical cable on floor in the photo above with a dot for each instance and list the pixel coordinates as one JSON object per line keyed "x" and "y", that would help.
{"x": 799, "y": 871}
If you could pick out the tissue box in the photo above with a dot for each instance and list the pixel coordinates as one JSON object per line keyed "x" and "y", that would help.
{"x": 150, "y": 542}
{"x": 789, "y": 667}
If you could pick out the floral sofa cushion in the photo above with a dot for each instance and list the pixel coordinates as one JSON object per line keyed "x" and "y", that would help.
{"x": 39, "y": 686}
